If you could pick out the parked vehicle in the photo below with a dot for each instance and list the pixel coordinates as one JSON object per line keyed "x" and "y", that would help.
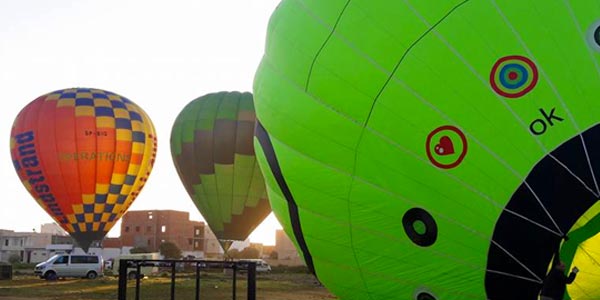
{"x": 71, "y": 265}
{"x": 261, "y": 265}
{"x": 132, "y": 272}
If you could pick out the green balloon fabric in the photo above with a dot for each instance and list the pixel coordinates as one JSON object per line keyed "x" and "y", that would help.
{"x": 433, "y": 149}
{"x": 212, "y": 149}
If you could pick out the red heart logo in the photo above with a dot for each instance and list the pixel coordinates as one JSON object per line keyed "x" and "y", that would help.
{"x": 445, "y": 146}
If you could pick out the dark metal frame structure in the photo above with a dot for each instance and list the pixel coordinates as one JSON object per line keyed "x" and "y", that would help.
{"x": 127, "y": 264}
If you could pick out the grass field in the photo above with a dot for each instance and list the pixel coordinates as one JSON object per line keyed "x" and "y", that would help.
{"x": 214, "y": 286}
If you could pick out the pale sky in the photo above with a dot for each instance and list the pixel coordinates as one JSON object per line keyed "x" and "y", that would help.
{"x": 159, "y": 54}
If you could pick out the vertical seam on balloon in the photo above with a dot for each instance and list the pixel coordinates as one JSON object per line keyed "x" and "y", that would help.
{"x": 132, "y": 191}
{"x": 195, "y": 119}
{"x": 113, "y": 167}
{"x": 94, "y": 137}
{"x": 147, "y": 156}
{"x": 348, "y": 197}
{"x": 590, "y": 52}
{"x": 431, "y": 28}
{"x": 233, "y": 164}
{"x": 254, "y": 161}
{"x": 62, "y": 179}
{"x": 351, "y": 235}
{"x": 82, "y": 233}
{"x": 316, "y": 57}
{"x": 269, "y": 151}
{"x": 214, "y": 148}
{"x": 237, "y": 120}
{"x": 137, "y": 183}
{"x": 254, "y": 177}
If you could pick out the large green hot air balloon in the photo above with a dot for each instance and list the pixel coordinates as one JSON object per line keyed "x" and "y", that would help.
{"x": 434, "y": 149}
{"x": 212, "y": 148}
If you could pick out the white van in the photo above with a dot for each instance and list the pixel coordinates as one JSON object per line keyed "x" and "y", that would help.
{"x": 131, "y": 272}
{"x": 261, "y": 265}
{"x": 71, "y": 265}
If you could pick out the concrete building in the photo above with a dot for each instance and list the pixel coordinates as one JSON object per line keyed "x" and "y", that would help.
{"x": 286, "y": 252}
{"x": 28, "y": 246}
{"x": 112, "y": 242}
{"x": 267, "y": 251}
{"x": 259, "y": 247}
{"x": 212, "y": 247}
{"x": 54, "y": 229}
{"x": 150, "y": 228}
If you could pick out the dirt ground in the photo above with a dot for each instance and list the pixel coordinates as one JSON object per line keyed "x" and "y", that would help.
{"x": 214, "y": 286}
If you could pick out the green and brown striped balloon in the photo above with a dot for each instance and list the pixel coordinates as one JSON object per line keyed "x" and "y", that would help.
{"x": 212, "y": 148}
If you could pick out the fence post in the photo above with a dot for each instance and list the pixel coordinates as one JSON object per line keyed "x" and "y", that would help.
{"x": 137, "y": 279}
{"x": 252, "y": 281}
{"x": 173, "y": 270}
{"x": 123, "y": 279}
{"x": 197, "y": 281}
{"x": 235, "y": 266}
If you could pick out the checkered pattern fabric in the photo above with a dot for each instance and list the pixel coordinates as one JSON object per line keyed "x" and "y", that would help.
{"x": 125, "y": 125}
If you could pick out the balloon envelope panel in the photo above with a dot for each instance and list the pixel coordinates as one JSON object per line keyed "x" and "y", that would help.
{"x": 432, "y": 151}
{"x": 212, "y": 149}
{"x": 84, "y": 155}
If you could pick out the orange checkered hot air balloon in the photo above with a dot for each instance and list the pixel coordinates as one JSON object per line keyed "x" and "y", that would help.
{"x": 84, "y": 155}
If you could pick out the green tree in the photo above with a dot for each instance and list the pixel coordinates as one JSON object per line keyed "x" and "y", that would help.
{"x": 135, "y": 250}
{"x": 14, "y": 258}
{"x": 169, "y": 250}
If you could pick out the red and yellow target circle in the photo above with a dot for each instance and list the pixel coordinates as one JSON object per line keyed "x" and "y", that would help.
{"x": 513, "y": 76}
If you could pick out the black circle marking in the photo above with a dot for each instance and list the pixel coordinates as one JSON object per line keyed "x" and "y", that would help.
{"x": 414, "y": 215}
{"x": 425, "y": 296}
{"x": 593, "y": 36}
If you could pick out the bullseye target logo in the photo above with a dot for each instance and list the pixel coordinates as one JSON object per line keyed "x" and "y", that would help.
{"x": 446, "y": 147}
{"x": 513, "y": 76}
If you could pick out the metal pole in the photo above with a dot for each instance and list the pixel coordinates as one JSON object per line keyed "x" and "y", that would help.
{"x": 234, "y": 278}
{"x": 197, "y": 281}
{"x": 137, "y": 280}
{"x": 173, "y": 264}
{"x": 252, "y": 281}
{"x": 123, "y": 279}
